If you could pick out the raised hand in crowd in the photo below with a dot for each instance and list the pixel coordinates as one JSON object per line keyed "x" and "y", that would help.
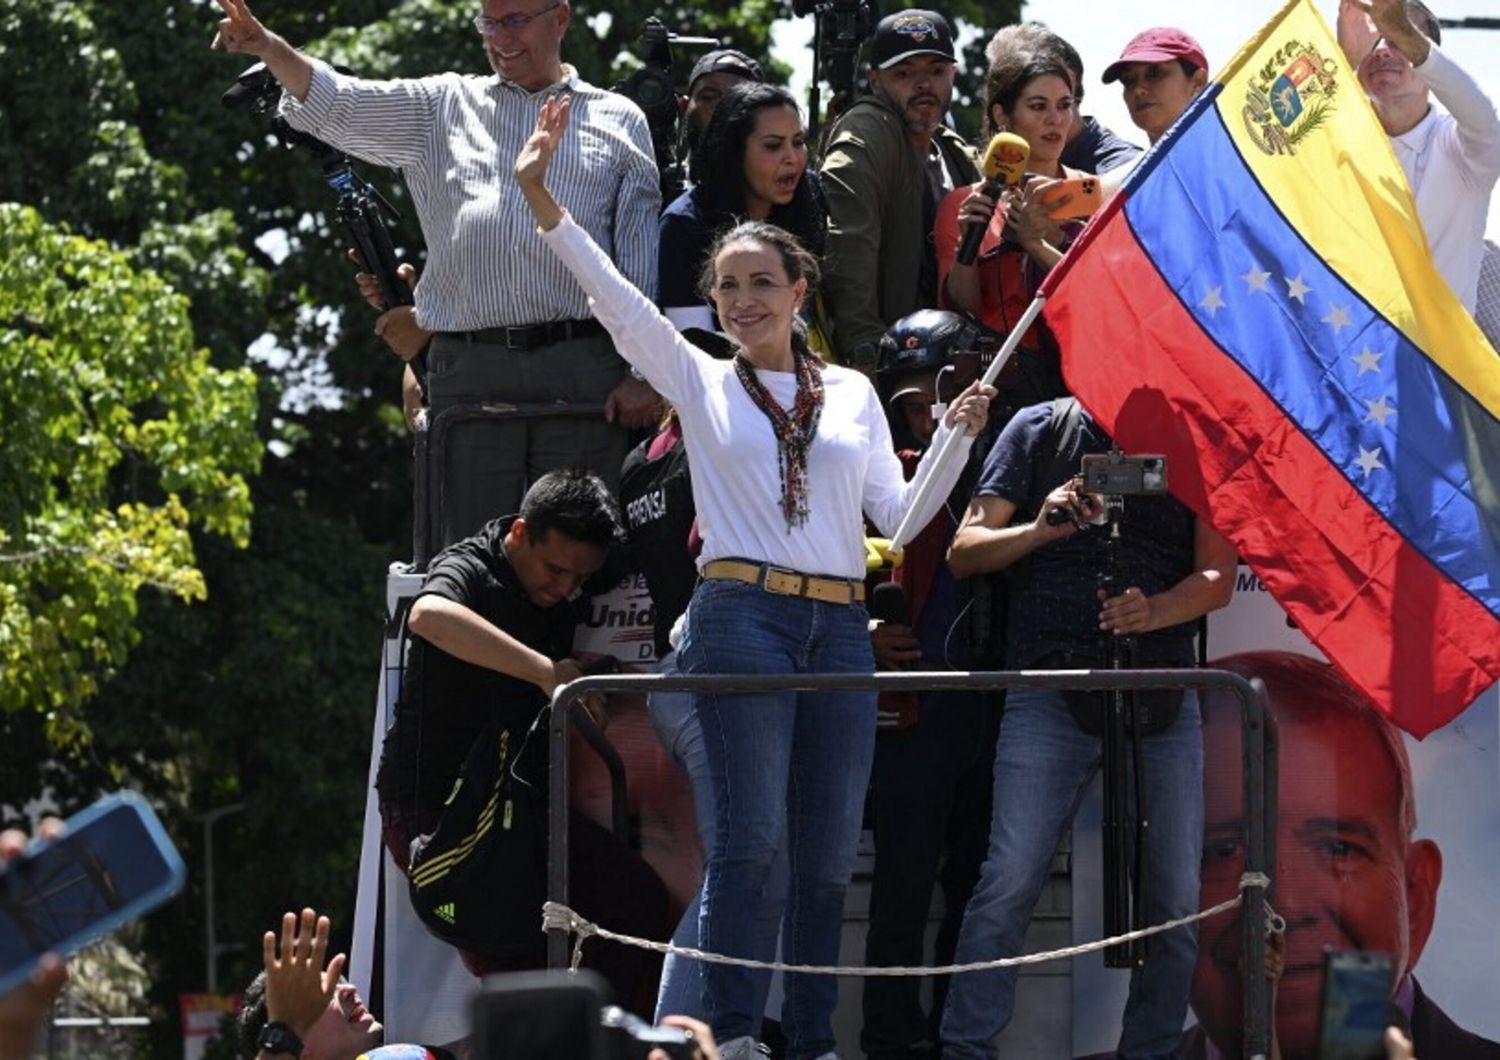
{"x": 298, "y": 986}
{"x": 633, "y": 404}
{"x": 241, "y": 33}
{"x": 25, "y": 1009}
{"x": 536, "y": 155}
{"x": 1363, "y": 24}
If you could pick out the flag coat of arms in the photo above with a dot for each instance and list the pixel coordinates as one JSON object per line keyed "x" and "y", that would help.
{"x": 1259, "y": 303}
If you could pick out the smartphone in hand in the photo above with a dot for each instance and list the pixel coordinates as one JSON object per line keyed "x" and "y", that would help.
{"x": 1082, "y": 194}
{"x": 112, "y": 864}
{"x": 1356, "y": 999}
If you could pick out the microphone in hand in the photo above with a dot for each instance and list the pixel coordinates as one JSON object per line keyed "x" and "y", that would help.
{"x": 1004, "y": 166}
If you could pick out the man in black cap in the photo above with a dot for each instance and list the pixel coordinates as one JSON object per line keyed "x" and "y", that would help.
{"x": 890, "y": 160}
{"x": 713, "y": 75}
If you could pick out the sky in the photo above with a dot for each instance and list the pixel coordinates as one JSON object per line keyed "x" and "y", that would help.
{"x": 1100, "y": 28}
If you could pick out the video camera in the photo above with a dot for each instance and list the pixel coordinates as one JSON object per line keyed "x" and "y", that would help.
{"x": 654, "y": 90}
{"x": 839, "y": 29}
{"x": 365, "y": 214}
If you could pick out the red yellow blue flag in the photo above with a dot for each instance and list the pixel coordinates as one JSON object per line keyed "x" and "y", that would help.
{"x": 1259, "y": 303}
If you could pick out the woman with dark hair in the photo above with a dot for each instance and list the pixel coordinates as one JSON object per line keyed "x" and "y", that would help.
{"x": 789, "y": 456}
{"x": 1030, "y": 93}
{"x": 751, "y": 165}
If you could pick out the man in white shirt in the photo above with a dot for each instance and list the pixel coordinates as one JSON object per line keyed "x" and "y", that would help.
{"x": 510, "y": 325}
{"x": 1451, "y": 159}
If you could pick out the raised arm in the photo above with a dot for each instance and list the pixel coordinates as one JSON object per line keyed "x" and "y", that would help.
{"x": 643, "y": 336}
{"x": 1476, "y": 122}
{"x": 241, "y": 32}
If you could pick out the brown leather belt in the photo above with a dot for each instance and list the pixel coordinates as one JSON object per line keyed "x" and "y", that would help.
{"x": 530, "y": 336}
{"x": 787, "y": 582}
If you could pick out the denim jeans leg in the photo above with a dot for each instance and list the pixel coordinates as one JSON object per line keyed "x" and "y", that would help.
{"x": 1043, "y": 763}
{"x": 832, "y": 752}
{"x": 734, "y": 628}
{"x": 1158, "y": 999}
{"x": 681, "y": 992}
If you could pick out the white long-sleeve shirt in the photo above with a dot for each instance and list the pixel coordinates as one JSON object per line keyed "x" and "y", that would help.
{"x": 852, "y": 467}
{"x": 1452, "y": 161}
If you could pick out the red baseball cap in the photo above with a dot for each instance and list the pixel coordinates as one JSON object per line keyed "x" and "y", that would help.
{"x": 1160, "y": 44}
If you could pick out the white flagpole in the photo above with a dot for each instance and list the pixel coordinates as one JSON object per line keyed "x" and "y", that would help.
{"x": 905, "y": 532}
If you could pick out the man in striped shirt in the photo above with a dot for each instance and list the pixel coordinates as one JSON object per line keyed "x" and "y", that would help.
{"x": 510, "y": 324}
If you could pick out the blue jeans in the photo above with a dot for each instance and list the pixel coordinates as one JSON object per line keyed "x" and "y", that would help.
{"x": 1043, "y": 764}
{"x": 681, "y": 993}
{"x": 783, "y": 766}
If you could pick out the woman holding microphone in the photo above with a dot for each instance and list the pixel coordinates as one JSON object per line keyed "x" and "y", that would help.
{"x": 789, "y": 455}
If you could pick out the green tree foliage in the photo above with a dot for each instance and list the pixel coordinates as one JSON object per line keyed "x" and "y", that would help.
{"x": 115, "y": 432}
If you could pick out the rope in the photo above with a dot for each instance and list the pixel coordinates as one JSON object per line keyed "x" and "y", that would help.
{"x": 558, "y": 916}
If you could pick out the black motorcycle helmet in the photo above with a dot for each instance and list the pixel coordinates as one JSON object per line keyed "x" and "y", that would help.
{"x": 927, "y": 339}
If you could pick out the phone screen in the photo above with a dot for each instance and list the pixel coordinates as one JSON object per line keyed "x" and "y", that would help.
{"x": 109, "y": 868}
{"x": 1356, "y": 998}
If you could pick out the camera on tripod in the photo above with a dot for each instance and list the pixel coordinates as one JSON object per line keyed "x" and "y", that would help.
{"x": 839, "y": 28}
{"x": 654, "y": 89}
{"x": 365, "y": 213}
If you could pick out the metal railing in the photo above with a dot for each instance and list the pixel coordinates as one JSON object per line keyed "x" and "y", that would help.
{"x": 1258, "y": 750}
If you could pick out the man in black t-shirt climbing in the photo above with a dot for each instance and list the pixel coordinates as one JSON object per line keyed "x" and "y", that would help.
{"x": 492, "y": 629}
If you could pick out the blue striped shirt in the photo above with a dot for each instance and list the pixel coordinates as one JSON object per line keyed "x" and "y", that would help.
{"x": 455, "y": 138}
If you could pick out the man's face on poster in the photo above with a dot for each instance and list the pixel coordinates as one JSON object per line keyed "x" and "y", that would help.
{"x": 1347, "y": 875}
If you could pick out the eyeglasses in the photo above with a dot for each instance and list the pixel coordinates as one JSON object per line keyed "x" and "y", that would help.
{"x": 510, "y": 23}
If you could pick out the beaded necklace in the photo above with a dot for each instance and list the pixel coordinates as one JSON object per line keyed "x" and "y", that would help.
{"x": 794, "y": 432}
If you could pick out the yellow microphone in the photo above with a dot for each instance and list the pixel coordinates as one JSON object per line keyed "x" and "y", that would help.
{"x": 1004, "y": 165}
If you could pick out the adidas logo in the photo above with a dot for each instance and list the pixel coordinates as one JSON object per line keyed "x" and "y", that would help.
{"x": 446, "y": 912}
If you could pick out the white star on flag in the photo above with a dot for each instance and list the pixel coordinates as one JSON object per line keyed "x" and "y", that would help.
{"x": 1369, "y": 460}
{"x": 1255, "y": 280}
{"x": 1295, "y": 288}
{"x": 1213, "y": 301}
{"x": 1368, "y": 360}
{"x": 1380, "y": 411}
{"x": 1338, "y": 318}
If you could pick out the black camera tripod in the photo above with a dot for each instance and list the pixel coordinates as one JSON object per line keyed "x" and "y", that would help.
{"x": 365, "y": 213}
{"x": 1125, "y": 896}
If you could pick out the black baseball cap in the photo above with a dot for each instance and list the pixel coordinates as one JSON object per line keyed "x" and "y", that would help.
{"x": 911, "y": 33}
{"x": 727, "y": 61}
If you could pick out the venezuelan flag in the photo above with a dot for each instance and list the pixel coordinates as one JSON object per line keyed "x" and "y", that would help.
{"x": 1259, "y": 303}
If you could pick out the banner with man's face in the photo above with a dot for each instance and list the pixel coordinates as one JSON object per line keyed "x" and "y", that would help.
{"x": 1383, "y": 843}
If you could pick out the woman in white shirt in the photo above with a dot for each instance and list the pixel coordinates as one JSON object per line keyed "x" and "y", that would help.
{"x": 789, "y": 456}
